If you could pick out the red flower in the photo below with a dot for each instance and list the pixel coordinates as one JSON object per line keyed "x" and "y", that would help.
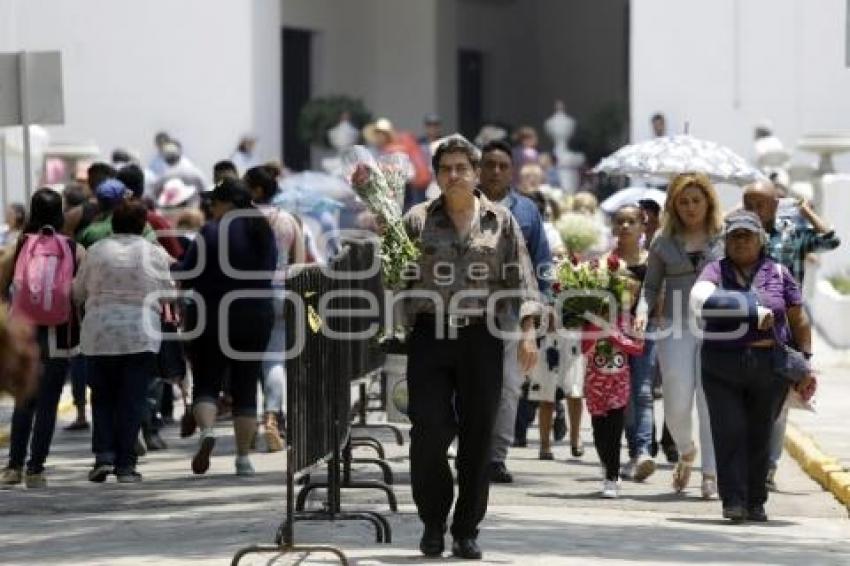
{"x": 613, "y": 262}
{"x": 361, "y": 175}
{"x": 556, "y": 287}
{"x": 573, "y": 258}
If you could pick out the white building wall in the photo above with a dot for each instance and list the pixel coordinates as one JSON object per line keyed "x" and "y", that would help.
{"x": 784, "y": 60}
{"x": 206, "y": 71}
{"x": 383, "y": 51}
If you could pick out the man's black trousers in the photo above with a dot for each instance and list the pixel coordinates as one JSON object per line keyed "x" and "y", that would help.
{"x": 454, "y": 387}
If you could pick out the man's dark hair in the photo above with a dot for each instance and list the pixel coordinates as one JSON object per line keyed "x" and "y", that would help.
{"x": 121, "y": 156}
{"x": 455, "y": 145}
{"x": 259, "y": 178}
{"x": 649, "y": 205}
{"x": 498, "y": 145}
{"x": 161, "y": 137}
{"x": 129, "y": 217}
{"x": 657, "y": 116}
{"x": 134, "y": 178}
{"x": 223, "y": 168}
{"x": 98, "y": 172}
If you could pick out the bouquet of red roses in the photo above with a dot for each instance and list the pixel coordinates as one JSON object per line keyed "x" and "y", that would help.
{"x": 598, "y": 288}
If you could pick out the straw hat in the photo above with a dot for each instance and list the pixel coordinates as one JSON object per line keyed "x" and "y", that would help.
{"x": 381, "y": 125}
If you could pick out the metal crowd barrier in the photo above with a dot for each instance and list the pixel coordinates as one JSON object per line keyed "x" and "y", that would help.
{"x": 319, "y": 400}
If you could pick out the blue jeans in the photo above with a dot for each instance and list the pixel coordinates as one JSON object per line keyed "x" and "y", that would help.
{"x": 119, "y": 386}
{"x": 34, "y": 419}
{"x": 639, "y": 411}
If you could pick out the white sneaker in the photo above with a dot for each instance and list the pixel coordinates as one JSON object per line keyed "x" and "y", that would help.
{"x": 709, "y": 487}
{"x": 610, "y": 489}
{"x": 244, "y": 466}
{"x": 627, "y": 472}
{"x": 644, "y": 467}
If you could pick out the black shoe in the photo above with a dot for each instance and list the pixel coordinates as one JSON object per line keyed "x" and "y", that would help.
{"x": 520, "y": 443}
{"x": 129, "y": 475}
{"x": 432, "y": 543}
{"x": 99, "y": 473}
{"x": 671, "y": 454}
{"x": 756, "y": 513}
{"x": 78, "y": 425}
{"x": 466, "y": 548}
{"x": 577, "y": 451}
{"x": 735, "y": 513}
{"x": 201, "y": 459}
{"x": 499, "y": 473}
{"x": 546, "y": 455}
{"x": 154, "y": 441}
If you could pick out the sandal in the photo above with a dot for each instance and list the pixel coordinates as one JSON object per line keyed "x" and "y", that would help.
{"x": 577, "y": 451}
{"x": 682, "y": 471}
{"x": 546, "y": 455}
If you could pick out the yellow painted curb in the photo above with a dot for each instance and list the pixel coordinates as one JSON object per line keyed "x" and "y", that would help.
{"x": 820, "y": 467}
{"x": 839, "y": 484}
{"x": 65, "y": 407}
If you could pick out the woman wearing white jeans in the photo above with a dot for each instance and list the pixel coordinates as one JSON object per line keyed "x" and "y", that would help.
{"x": 690, "y": 238}
{"x": 290, "y": 244}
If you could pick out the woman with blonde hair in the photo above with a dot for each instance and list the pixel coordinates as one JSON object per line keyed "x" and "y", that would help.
{"x": 691, "y": 237}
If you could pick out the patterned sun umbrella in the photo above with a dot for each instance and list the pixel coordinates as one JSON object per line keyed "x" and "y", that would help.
{"x": 665, "y": 157}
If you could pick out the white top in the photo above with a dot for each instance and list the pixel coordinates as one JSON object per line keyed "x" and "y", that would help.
{"x": 119, "y": 273}
{"x": 556, "y": 242}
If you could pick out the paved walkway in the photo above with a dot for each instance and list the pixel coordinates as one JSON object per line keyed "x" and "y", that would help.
{"x": 551, "y": 515}
{"x": 829, "y": 426}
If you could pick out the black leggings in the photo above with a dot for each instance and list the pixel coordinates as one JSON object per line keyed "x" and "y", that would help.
{"x": 608, "y": 438}
{"x": 249, "y": 328}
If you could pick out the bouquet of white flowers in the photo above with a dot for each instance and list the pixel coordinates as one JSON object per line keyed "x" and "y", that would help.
{"x": 579, "y": 232}
{"x": 380, "y": 183}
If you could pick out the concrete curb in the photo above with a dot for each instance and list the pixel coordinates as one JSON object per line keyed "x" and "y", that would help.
{"x": 821, "y": 467}
{"x": 65, "y": 407}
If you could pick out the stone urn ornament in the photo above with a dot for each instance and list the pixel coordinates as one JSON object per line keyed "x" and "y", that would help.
{"x": 560, "y": 127}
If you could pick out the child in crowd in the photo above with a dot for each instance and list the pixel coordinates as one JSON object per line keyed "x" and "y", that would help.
{"x": 606, "y": 389}
{"x": 560, "y": 362}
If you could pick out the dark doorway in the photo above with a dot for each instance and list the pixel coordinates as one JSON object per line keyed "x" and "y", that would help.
{"x": 470, "y": 91}
{"x": 296, "y": 92}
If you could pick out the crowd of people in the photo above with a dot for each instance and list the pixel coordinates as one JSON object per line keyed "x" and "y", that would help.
{"x": 105, "y": 281}
{"x": 95, "y": 273}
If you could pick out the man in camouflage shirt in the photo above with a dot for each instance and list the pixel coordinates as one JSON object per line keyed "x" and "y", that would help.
{"x": 473, "y": 277}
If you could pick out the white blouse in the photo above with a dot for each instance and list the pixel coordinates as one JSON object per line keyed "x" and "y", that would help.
{"x": 119, "y": 273}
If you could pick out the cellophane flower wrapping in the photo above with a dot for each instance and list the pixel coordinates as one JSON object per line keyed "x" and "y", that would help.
{"x": 380, "y": 184}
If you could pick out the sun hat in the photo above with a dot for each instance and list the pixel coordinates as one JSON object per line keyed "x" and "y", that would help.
{"x": 175, "y": 192}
